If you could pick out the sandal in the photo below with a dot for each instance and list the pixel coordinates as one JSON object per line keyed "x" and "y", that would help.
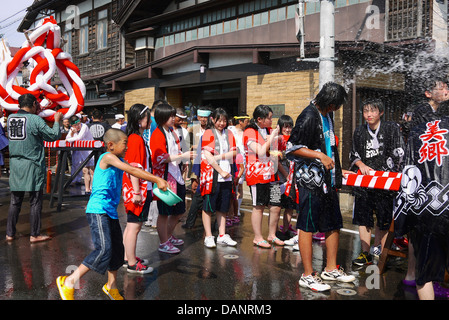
{"x": 277, "y": 241}
{"x": 262, "y": 244}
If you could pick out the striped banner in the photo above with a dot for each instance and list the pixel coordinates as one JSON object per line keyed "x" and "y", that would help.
{"x": 375, "y": 180}
{"x": 76, "y": 144}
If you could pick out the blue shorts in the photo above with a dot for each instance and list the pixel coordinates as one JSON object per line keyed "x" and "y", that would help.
{"x": 318, "y": 212}
{"x": 220, "y": 200}
{"x": 108, "y": 243}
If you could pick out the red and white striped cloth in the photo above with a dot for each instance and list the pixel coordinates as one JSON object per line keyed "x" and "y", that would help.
{"x": 375, "y": 180}
{"x": 75, "y": 144}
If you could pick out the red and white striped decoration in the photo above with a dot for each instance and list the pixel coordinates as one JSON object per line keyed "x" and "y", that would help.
{"x": 75, "y": 144}
{"x": 375, "y": 180}
{"x": 45, "y": 56}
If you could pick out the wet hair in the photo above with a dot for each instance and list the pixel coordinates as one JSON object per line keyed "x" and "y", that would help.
{"x": 137, "y": 112}
{"x": 375, "y": 104}
{"x": 261, "y": 111}
{"x": 236, "y": 121}
{"x": 158, "y": 102}
{"x": 26, "y": 100}
{"x": 285, "y": 121}
{"x": 97, "y": 114}
{"x": 330, "y": 94}
{"x": 163, "y": 112}
{"x": 432, "y": 82}
{"x": 113, "y": 135}
{"x": 215, "y": 116}
{"x": 74, "y": 119}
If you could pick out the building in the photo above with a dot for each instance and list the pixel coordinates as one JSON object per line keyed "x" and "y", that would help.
{"x": 94, "y": 41}
{"x": 237, "y": 54}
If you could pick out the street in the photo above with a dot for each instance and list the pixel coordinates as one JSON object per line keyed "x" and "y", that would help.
{"x": 243, "y": 272}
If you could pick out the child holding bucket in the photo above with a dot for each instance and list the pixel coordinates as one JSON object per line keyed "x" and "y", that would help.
{"x": 102, "y": 216}
{"x": 217, "y": 167}
{"x": 167, "y": 161}
{"x": 136, "y": 192}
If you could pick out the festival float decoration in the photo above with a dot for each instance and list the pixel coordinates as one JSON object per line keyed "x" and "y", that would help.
{"x": 375, "y": 180}
{"x": 43, "y": 52}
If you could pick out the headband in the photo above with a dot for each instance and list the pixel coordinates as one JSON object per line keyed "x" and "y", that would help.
{"x": 241, "y": 117}
{"x": 143, "y": 110}
{"x": 76, "y": 121}
{"x": 203, "y": 113}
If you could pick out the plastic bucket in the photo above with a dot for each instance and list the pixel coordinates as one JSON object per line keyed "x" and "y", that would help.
{"x": 169, "y": 197}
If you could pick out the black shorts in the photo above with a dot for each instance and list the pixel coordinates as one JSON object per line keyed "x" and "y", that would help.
{"x": 220, "y": 199}
{"x": 432, "y": 256}
{"x": 372, "y": 202}
{"x": 287, "y": 202}
{"x": 178, "y": 208}
{"x": 318, "y": 211}
{"x": 131, "y": 217}
{"x": 266, "y": 194}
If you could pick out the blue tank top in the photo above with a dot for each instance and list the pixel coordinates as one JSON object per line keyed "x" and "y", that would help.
{"x": 106, "y": 190}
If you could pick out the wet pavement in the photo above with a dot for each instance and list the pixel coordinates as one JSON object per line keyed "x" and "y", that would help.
{"x": 243, "y": 272}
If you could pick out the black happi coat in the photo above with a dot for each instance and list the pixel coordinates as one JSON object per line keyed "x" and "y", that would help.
{"x": 389, "y": 155}
{"x": 308, "y": 133}
{"x": 423, "y": 201}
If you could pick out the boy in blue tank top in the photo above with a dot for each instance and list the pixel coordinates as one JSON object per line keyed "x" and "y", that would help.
{"x": 102, "y": 216}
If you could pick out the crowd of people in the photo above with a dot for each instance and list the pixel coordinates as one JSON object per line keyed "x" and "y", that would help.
{"x": 294, "y": 167}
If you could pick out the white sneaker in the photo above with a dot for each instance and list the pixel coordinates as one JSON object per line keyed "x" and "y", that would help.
{"x": 337, "y": 275}
{"x": 291, "y": 241}
{"x": 296, "y": 247}
{"x": 209, "y": 242}
{"x": 226, "y": 239}
{"x": 313, "y": 282}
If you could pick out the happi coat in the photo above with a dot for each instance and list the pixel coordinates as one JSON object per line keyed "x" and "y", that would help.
{"x": 423, "y": 200}
{"x": 27, "y": 133}
{"x": 308, "y": 133}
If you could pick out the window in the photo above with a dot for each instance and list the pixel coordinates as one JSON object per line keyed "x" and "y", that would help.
{"x": 84, "y": 35}
{"x": 102, "y": 29}
{"x": 68, "y": 42}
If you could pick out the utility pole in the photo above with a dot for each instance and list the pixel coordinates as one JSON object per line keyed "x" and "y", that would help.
{"x": 327, "y": 41}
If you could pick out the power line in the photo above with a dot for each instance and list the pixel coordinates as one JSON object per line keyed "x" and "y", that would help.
{"x": 11, "y": 23}
{"x": 15, "y": 14}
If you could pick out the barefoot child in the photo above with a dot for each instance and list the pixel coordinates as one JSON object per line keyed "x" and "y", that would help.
{"x": 103, "y": 217}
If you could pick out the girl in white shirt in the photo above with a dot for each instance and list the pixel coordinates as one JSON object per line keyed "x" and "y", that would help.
{"x": 80, "y": 131}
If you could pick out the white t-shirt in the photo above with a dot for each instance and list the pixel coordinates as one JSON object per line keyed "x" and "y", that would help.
{"x": 173, "y": 167}
{"x": 225, "y": 165}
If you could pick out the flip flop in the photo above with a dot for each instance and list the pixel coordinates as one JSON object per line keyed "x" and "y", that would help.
{"x": 262, "y": 244}
{"x": 277, "y": 241}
